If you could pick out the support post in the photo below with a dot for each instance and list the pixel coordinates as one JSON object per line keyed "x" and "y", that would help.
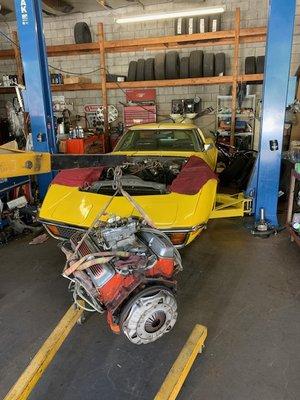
{"x": 38, "y": 91}
{"x": 275, "y": 90}
{"x": 20, "y": 74}
{"x": 18, "y": 57}
{"x": 235, "y": 73}
{"x": 103, "y": 78}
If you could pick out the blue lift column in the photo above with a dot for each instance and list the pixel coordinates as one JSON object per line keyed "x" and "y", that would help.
{"x": 38, "y": 91}
{"x": 275, "y": 91}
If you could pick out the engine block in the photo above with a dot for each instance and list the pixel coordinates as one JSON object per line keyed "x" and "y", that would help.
{"x": 121, "y": 262}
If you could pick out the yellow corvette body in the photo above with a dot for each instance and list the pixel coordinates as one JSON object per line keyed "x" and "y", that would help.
{"x": 181, "y": 216}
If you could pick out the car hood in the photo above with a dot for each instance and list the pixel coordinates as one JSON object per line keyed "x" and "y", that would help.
{"x": 69, "y": 205}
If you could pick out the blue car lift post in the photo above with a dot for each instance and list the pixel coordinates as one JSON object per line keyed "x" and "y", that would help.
{"x": 38, "y": 99}
{"x": 264, "y": 184}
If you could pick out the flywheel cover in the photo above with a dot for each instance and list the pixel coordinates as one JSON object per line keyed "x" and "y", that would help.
{"x": 149, "y": 315}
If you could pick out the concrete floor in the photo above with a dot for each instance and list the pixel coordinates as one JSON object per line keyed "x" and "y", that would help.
{"x": 244, "y": 289}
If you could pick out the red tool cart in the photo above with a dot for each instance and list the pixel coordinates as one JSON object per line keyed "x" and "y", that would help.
{"x": 89, "y": 145}
{"x": 141, "y": 107}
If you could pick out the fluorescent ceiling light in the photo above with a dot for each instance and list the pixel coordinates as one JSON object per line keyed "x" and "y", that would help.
{"x": 175, "y": 14}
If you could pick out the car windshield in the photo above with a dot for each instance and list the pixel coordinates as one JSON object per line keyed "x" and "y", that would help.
{"x": 160, "y": 140}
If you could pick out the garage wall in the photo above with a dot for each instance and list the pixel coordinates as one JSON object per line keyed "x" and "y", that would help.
{"x": 59, "y": 30}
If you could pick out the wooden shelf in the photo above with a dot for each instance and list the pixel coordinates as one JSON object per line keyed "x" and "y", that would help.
{"x": 159, "y": 43}
{"x": 234, "y": 37}
{"x": 215, "y": 80}
{"x": 209, "y": 39}
{"x": 7, "y": 89}
{"x": 6, "y": 54}
{"x": 220, "y": 38}
{"x": 71, "y": 87}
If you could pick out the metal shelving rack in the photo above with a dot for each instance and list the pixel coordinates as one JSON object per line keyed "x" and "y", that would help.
{"x": 249, "y": 102}
{"x": 233, "y": 37}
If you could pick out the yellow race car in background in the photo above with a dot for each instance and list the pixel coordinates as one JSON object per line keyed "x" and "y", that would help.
{"x": 171, "y": 176}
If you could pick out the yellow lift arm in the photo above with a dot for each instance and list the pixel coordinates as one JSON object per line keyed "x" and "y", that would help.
{"x": 19, "y": 163}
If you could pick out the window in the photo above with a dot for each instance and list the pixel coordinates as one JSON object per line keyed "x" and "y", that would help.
{"x": 160, "y": 140}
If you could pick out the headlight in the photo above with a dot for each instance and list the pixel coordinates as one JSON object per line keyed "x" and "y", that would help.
{"x": 54, "y": 230}
{"x": 178, "y": 238}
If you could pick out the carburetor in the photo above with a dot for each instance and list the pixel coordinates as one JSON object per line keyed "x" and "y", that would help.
{"x": 118, "y": 233}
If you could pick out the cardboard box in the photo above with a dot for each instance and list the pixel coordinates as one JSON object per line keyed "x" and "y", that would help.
{"x": 76, "y": 79}
{"x": 62, "y": 146}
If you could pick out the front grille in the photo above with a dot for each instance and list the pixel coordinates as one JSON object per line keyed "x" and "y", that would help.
{"x": 66, "y": 232}
{"x": 61, "y": 231}
{"x": 76, "y": 237}
{"x": 86, "y": 247}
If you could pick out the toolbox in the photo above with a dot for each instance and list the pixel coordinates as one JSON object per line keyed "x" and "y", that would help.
{"x": 141, "y": 96}
{"x": 134, "y": 115}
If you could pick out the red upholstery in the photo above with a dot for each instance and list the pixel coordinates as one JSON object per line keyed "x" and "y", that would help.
{"x": 79, "y": 177}
{"x": 192, "y": 177}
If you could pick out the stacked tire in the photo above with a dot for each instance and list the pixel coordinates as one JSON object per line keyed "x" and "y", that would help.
{"x": 254, "y": 65}
{"x": 202, "y": 24}
{"x": 160, "y": 66}
{"x": 171, "y": 66}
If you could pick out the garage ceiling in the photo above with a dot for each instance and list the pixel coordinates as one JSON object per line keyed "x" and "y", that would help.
{"x": 63, "y": 7}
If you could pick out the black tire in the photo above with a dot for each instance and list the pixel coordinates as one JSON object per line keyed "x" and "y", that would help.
{"x": 215, "y": 23}
{"x": 82, "y": 33}
{"x": 208, "y": 64}
{"x": 243, "y": 179}
{"x": 250, "y": 65}
{"x": 234, "y": 170}
{"x": 159, "y": 67}
{"x": 191, "y": 25}
{"x": 184, "y": 67}
{"x": 220, "y": 64}
{"x": 172, "y": 65}
{"x": 260, "y": 64}
{"x": 180, "y": 26}
{"x": 140, "y": 70}
{"x": 149, "y": 69}
{"x": 196, "y": 64}
{"x": 203, "y": 24}
{"x": 131, "y": 75}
